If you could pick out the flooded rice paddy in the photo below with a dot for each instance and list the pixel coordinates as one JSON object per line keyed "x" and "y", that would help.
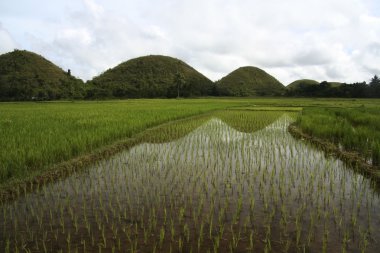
{"x": 213, "y": 189}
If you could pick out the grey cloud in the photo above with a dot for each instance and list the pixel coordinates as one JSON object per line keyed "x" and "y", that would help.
{"x": 369, "y": 58}
{"x": 333, "y": 73}
{"x": 311, "y": 57}
{"x": 374, "y": 49}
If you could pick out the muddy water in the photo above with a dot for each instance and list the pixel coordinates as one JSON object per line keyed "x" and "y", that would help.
{"x": 213, "y": 190}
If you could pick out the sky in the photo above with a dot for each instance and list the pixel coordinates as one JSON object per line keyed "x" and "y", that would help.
{"x": 332, "y": 40}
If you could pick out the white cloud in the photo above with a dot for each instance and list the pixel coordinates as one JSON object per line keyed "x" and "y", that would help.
{"x": 333, "y": 40}
{"x": 370, "y": 58}
{"x": 95, "y": 9}
{"x": 6, "y": 41}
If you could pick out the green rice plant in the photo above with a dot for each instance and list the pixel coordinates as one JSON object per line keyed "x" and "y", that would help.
{"x": 251, "y": 243}
{"x": 186, "y": 232}
{"x": 345, "y": 242}
{"x": 180, "y": 244}
{"x": 7, "y": 246}
{"x": 181, "y": 213}
{"x": 172, "y": 230}
{"x": 201, "y": 232}
{"x": 235, "y": 239}
{"x": 162, "y": 237}
{"x": 364, "y": 242}
{"x": 68, "y": 241}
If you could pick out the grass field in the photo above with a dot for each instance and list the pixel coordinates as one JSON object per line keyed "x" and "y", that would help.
{"x": 227, "y": 181}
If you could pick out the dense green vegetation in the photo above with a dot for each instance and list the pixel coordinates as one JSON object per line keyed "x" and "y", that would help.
{"x": 28, "y": 76}
{"x": 149, "y": 77}
{"x": 310, "y": 88}
{"x": 36, "y": 135}
{"x": 357, "y": 129}
{"x": 249, "y": 81}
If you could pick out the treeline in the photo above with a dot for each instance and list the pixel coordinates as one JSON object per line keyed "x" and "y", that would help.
{"x": 72, "y": 88}
{"x": 193, "y": 88}
{"x": 19, "y": 88}
{"x": 171, "y": 86}
{"x": 343, "y": 90}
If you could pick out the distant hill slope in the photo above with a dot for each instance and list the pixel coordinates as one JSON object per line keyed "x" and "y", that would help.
{"x": 335, "y": 84}
{"x": 151, "y": 76}
{"x": 249, "y": 81}
{"x": 311, "y": 88}
{"x": 25, "y": 76}
{"x": 302, "y": 82}
{"x": 306, "y": 82}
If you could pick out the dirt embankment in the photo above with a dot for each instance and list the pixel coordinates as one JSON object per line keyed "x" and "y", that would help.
{"x": 357, "y": 162}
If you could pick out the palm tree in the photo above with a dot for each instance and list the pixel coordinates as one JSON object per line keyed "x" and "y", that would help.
{"x": 179, "y": 81}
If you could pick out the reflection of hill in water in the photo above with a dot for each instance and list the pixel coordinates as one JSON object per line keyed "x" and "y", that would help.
{"x": 243, "y": 122}
{"x": 216, "y": 140}
{"x": 216, "y": 130}
{"x": 215, "y": 143}
{"x": 249, "y": 121}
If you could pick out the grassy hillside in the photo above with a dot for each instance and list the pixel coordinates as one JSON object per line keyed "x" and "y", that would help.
{"x": 312, "y": 88}
{"x": 249, "y": 81}
{"x": 303, "y": 82}
{"x": 335, "y": 84}
{"x": 26, "y": 76}
{"x": 150, "y": 76}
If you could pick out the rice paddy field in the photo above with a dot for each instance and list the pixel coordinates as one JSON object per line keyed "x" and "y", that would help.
{"x": 35, "y": 136}
{"x": 355, "y": 129}
{"x": 202, "y": 175}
